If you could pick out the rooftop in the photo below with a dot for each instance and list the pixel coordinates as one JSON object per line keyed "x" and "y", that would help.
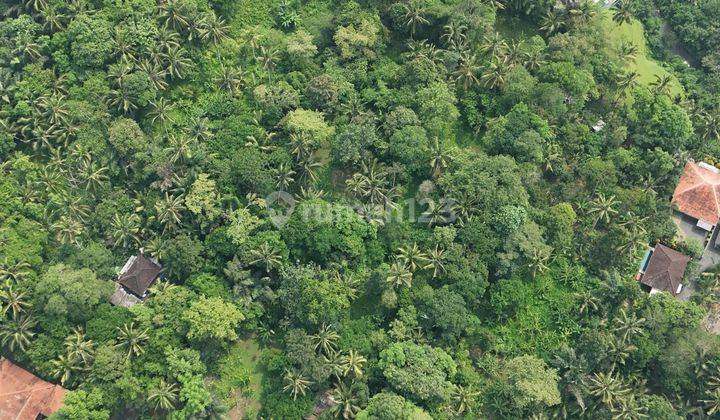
{"x": 698, "y": 193}
{"x": 665, "y": 270}
{"x": 24, "y": 396}
{"x": 138, "y": 274}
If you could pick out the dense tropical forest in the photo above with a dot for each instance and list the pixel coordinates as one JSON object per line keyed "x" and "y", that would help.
{"x": 366, "y": 209}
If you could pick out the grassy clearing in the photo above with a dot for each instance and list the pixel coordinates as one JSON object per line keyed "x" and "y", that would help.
{"x": 240, "y": 380}
{"x": 644, "y": 65}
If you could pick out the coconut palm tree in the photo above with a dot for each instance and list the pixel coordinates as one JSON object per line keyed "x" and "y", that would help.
{"x": 352, "y": 364}
{"x": 169, "y": 211}
{"x": 13, "y": 300}
{"x": 662, "y": 84}
{"x": 436, "y": 261}
{"x": 463, "y": 399}
{"x": 493, "y": 45}
{"x": 494, "y": 74}
{"x": 215, "y": 29}
{"x": 16, "y": 332}
{"x": 440, "y": 157}
{"x": 163, "y": 396}
{"x": 587, "y": 302}
{"x": 68, "y": 230}
{"x": 608, "y": 387}
{"x": 177, "y": 62}
{"x": 627, "y": 326}
{"x": 14, "y": 271}
{"x": 78, "y": 347}
{"x": 412, "y": 256}
{"x": 295, "y": 383}
{"x": 160, "y": 111}
{"x": 538, "y": 261}
{"x": 268, "y": 58}
{"x": 326, "y": 339}
{"x": 173, "y": 15}
{"x": 132, "y": 340}
{"x": 284, "y": 176}
{"x": 64, "y": 366}
{"x": 552, "y": 22}
{"x": 603, "y": 208}
{"x": 230, "y": 78}
{"x": 629, "y": 409}
{"x": 629, "y": 51}
{"x": 154, "y": 72}
{"x": 414, "y": 16}
{"x": 622, "y": 13}
{"x": 125, "y": 230}
{"x": 399, "y": 275}
{"x": 709, "y": 125}
{"x": 466, "y": 72}
{"x": 267, "y": 256}
{"x": 347, "y": 402}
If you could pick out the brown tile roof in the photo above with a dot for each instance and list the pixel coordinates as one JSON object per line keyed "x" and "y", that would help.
{"x": 140, "y": 275}
{"x": 665, "y": 269}
{"x": 698, "y": 193}
{"x": 24, "y": 396}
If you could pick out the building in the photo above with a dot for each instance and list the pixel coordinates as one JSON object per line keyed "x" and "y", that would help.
{"x": 134, "y": 280}
{"x": 662, "y": 270}
{"x": 24, "y": 396}
{"x": 697, "y": 195}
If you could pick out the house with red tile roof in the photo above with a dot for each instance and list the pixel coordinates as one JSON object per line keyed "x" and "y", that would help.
{"x": 24, "y": 396}
{"x": 697, "y": 195}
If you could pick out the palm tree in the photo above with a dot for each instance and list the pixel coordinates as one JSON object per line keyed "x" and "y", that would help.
{"x": 160, "y": 111}
{"x": 15, "y": 271}
{"x": 64, "y": 366}
{"x": 463, "y": 399}
{"x": 169, "y": 211}
{"x": 622, "y": 13}
{"x": 163, "y": 396}
{"x": 326, "y": 339}
{"x": 308, "y": 166}
{"x": 267, "y": 256}
{"x": 466, "y": 71}
{"x": 68, "y": 230}
{"x": 627, "y": 326}
{"x": 295, "y": 383}
{"x": 78, "y": 347}
{"x": 154, "y": 73}
{"x": 608, "y": 387}
{"x": 399, "y": 275}
{"x": 16, "y": 332}
{"x": 284, "y": 176}
{"x": 710, "y": 125}
{"x": 629, "y": 409}
{"x": 494, "y": 74}
{"x": 493, "y": 45}
{"x": 662, "y": 84}
{"x": 215, "y": 29}
{"x": 435, "y": 261}
{"x": 629, "y": 51}
{"x": 125, "y": 229}
{"x": 572, "y": 369}
{"x": 230, "y": 78}
{"x": 414, "y": 16}
{"x": 173, "y": 16}
{"x": 587, "y": 302}
{"x": 347, "y": 402}
{"x": 603, "y": 208}
{"x": 198, "y": 129}
{"x": 534, "y": 59}
{"x": 538, "y": 262}
{"x": 712, "y": 402}
{"x": 628, "y": 81}
{"x": 13, "y": 300}
{"x": 132, "y": 339}
{"x": 412, "y": 257}
{"x": 552, "y": 22}
{"x": 352, "y": 364}
{"x": 177, "y": 61}
{"x": 268, "y": 59}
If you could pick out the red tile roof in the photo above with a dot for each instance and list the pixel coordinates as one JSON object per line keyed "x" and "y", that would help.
{"x": 24, "y": 396}
{"x": 698, "y": 193}
{"x": 665, "y": 269}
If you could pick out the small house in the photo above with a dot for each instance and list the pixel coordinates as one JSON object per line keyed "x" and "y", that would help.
{"x": 662, "y": 270}
{"x": 134, "y": 280}
{"x": 24, "y": 396}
